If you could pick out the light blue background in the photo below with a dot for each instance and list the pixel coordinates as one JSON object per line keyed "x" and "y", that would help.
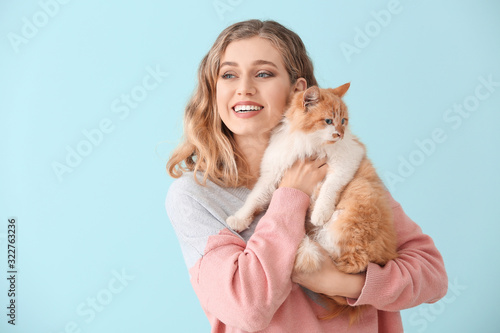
{"x": 107, "y": 216}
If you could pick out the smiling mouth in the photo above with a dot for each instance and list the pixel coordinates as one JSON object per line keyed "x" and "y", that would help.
{"x": 247, "y": 108}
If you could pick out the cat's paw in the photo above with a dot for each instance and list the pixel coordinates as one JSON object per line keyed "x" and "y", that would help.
{"x": 350, "y": 266}
{"x": 309, "y": 257}
{"x": 335, "y": 215}
{"x": 321, "y": 215}
{"x": 353, "y": 262}
{"x": 237, "y": 223}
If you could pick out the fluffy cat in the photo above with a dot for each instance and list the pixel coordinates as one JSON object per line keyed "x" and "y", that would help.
{"x": 350, "y": 216}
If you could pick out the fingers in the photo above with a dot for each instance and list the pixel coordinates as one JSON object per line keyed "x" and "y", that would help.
{"x": 313, "y": 160}
{"x": 321, "y": 162}
{"x": 311, "y": 164}
{"x": 305, "y": 174}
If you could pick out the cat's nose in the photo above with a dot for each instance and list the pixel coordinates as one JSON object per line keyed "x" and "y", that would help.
{"x": 338, "y": 136}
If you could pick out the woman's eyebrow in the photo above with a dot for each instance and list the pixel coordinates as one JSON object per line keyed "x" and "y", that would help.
{"x": 256, "y": 62}
{"x": 264, "y": 62}
{"x": 228, "y": 63}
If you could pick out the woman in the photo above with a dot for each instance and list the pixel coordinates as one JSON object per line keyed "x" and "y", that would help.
{"x": 244, "y": 281}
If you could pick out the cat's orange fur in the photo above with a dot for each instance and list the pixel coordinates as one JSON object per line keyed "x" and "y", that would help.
{"x": 365, "y": 229}
{"x": 350, "y": 217}
{"x": 364, "y": 226}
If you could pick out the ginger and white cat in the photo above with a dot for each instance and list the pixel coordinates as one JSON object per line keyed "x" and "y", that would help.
{"x": 350, "y": 216}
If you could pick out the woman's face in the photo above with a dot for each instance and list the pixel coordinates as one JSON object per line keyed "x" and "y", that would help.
{"x": 253, "y": 87}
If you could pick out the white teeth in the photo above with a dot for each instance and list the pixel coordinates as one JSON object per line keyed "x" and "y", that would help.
{"x": 247, "y": 108}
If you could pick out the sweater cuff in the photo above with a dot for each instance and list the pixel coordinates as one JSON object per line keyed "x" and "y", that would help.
{"x": 288, "y": 206}
{"x": 291, "y": 198}
{"x": 374, "y": 283}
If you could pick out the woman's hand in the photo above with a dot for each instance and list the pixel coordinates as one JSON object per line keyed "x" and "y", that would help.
{"x": 328, "y": 280}
{"x": 304, "y": 175}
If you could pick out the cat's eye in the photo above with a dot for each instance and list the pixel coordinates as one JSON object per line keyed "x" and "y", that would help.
{"x": 329, "y": 121}
{"x": 343, "y": 121}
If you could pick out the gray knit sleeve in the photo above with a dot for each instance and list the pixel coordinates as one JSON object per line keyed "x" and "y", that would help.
{"x": 197, "y": 212}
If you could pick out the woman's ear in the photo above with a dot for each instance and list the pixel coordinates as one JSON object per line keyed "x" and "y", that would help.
{"x": 300, "y": 84}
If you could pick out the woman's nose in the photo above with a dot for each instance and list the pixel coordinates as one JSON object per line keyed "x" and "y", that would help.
{"x": 246, "y": 87}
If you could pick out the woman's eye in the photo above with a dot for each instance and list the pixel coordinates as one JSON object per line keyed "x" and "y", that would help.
{"x": 264, "y": 74}
{"x": 329, "y": 121}
{"x": 227, "y": 76}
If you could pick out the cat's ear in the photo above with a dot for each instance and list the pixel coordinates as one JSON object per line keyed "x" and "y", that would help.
{"x": 341, "y": 90}
{"x": 311, "y": 96}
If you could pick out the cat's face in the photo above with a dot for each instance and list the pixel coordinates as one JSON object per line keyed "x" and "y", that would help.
{"x": 320, "y": 112}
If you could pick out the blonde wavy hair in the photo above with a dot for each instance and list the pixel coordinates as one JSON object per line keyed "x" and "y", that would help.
{"x": 208, "y": 145}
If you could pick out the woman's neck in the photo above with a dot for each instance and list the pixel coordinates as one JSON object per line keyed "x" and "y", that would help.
{"x": 252, "y": 149}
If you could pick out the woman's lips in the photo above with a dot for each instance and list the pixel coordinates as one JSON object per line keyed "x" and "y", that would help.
{"x": 247, "y": 109}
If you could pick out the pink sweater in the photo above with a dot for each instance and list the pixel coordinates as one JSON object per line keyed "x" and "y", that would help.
{"x": 247, "y": 287}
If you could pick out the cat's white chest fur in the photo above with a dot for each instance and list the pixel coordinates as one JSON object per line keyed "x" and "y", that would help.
{"x": 285, "y": 147}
